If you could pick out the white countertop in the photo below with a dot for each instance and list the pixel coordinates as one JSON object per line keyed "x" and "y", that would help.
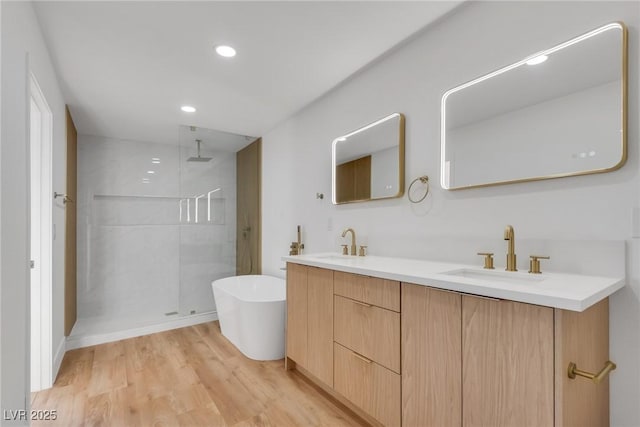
{"x": 566, "y": 291}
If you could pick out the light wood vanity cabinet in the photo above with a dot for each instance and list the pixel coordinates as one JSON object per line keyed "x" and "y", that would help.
{"x": 370, "y": 331}
{"x": 411, "y": 355}
{"x": 310, "y": 319}
{"x": 431, "y": 357}
{"x": 367, "y": 345}
{"x": 370, "y": 290}
{"x": 475, "y": 361}
{"x": 507, "y": 363}
{"x": 297, "y": 295}
{"x": 368, "y": 385}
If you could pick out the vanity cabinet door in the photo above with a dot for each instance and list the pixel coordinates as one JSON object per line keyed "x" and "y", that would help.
{"x": 371, "y": 290}
{"x": 297, "y": 313}
{"x": 431, "y": 357}
{"x": 320, "y": 323}
{"x": 368, "y": 330}
{"x": 371, "y": 387}
{"x": 507, "y": 363}
{"x": 582, "y": 338}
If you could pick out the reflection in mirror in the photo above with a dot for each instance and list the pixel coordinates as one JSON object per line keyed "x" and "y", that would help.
{"x": 368, "y": 163}
{"x": 559, "y": 112}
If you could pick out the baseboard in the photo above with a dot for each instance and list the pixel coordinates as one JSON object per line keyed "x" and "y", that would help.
{"x": 57, "y": 360}
{"x": 89, "y": 340}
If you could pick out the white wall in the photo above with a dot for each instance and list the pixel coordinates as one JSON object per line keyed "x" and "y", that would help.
{"x": 1, "y": 198}
{"x": 23, "y": 49}
{"x": 478, "y": 37}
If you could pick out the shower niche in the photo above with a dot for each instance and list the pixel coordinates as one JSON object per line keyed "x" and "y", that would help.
{"x": 156, "y": 225}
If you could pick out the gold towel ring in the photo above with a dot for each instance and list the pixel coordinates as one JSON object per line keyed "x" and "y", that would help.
{"x": 424, "y": 180}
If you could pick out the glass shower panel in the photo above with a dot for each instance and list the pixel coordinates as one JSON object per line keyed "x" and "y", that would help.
{"x": 128, "y": 232}
{"x": 207, "y": 214}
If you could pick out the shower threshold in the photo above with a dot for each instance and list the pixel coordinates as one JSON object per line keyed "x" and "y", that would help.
{"x": 90, "y": 331}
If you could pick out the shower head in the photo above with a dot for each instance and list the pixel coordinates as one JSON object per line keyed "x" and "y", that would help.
{"x": 199, "y": 158}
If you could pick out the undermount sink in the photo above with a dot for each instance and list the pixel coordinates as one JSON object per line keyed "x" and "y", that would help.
{"x": 497, "y": 276}
{"x": 336, "y": 257}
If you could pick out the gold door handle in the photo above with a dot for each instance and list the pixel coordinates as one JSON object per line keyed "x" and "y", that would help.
{"x": 573, "y": 371}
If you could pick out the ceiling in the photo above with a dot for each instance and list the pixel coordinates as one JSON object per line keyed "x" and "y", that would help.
{"x": 125, "y": 68}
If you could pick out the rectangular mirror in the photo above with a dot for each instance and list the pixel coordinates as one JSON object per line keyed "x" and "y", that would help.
{"x": 368, "y": 163}
{"x": 559, "y": 112}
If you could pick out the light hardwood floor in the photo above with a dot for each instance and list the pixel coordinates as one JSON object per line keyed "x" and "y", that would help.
{"x": 185, "y": 377}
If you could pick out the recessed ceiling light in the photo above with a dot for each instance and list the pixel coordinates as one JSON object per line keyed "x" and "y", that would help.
{"x": 151, "y": 171}
{"x": 188, "y": 109}
{"x": 226, "y": 51}
{"x": 155, "y": 160}
{"x": 537, "y": 60}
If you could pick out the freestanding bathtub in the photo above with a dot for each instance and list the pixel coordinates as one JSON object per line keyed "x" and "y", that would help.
{"x": 251, "y": 311}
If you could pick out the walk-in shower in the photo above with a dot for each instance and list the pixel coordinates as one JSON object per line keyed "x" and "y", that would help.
{"x": 156, "y": 225}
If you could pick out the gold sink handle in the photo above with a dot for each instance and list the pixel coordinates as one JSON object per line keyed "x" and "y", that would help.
{"x": 573, "y": 371}
{"x": 488, "y": 260}
{"x": 534, "y": 263}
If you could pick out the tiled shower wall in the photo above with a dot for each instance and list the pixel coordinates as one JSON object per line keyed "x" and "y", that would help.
{"x": 141, "y": 253}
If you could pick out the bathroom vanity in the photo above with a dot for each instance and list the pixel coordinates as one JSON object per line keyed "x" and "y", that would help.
{"x": 418, "y": 343}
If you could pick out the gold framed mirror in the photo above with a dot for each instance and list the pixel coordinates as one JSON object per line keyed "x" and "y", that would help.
{"x": 368, "y": 163}
{"x": 556, "y": 113}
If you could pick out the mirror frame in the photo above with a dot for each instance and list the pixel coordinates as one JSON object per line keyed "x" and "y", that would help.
{"x": 624, "y": 34}
{"x": 401, "y": 159}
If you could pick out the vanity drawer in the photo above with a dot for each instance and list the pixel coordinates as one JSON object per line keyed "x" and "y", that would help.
{"x": 374, "y": 389}
{"x": 368, "y": 330}
{"x": 379, "y": 292}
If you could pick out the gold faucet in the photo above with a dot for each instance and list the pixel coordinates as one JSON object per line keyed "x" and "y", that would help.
{"x": 511, "y": 252}
{"x": 353, "y": 239}
{"x": 296, "y": 247}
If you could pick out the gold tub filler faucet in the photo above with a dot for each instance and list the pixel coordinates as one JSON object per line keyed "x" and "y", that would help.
{"x": 297, "y": 247}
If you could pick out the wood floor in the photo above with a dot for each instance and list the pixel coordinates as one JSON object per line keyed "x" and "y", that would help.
{"x": 186, "y": 377}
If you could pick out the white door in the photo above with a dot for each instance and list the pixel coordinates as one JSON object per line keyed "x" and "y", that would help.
{"x": 41, "y": 239}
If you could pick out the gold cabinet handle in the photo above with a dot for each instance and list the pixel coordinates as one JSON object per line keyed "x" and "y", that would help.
{"x": 364, "y": 304}
{"x": 573, "y": 371}
{"x": 364, "y": 359}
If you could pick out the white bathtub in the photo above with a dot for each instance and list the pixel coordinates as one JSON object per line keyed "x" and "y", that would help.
{"x": 251, "y": 310}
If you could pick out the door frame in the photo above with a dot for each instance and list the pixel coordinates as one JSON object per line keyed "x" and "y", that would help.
{"x": 41, "y": 309}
